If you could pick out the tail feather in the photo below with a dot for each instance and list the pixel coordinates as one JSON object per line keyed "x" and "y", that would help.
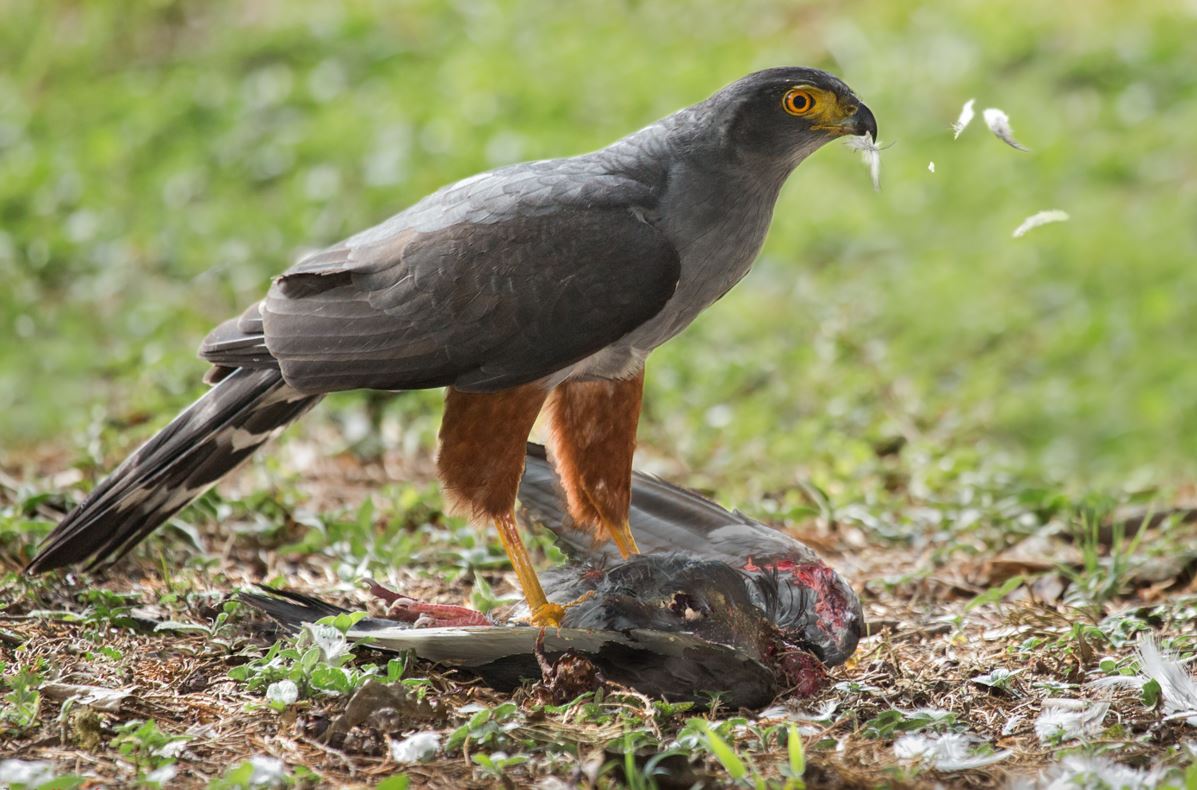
{"x": 204, "y": 443}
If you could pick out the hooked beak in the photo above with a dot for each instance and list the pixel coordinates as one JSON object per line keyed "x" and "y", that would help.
{"x": 861, "y": 122}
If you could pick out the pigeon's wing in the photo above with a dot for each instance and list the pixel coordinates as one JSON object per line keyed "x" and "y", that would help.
{"x": 664, "y": 518}
{"x": 674, "y": 666}
{"x": 494, "y": 283}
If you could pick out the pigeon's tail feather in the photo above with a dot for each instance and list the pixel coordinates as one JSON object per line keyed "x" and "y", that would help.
{"x": 208, "y": 440}
{"x": 291, "y": 609}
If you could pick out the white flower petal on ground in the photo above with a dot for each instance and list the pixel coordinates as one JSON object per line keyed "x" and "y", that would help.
{"x": 416, "y": 748}
{"x": 284, "y": 691}
{"x": 930, "y": 167}
{"x": 950, "y": 751}
{"x": 870, "y": 153}
{"x": 1040, "y": 218}
{"x": 999, "y": 123}
{"x": 966, "y": 117}
{"x": 1070, "y": 719}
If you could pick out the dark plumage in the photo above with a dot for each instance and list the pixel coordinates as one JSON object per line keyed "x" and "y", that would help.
{"x": 197, "y": 448}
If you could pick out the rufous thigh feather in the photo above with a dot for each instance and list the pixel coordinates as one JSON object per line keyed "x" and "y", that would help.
{"x": 593, "y": 439}
{"x": 482, "y": 443}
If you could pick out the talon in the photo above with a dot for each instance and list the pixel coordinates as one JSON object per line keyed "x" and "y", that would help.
{"x": 586, "y": 596}
{"x": 621, "y": 536}
{"x": 548, "y": 615}
{"x": 551, "y": 614}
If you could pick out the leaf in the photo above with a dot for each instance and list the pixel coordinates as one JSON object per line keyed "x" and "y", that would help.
{"x": 309, "y": 660}
{"x": 175, "y": 626}
{"x": 396, "y": 782}
{"x": 67, "y": 782}
{"x": 725, "y": 754}
{"x": 1150, "y": 693}
{"x": 796, "y": 754}
{"x": 995, "y": 594}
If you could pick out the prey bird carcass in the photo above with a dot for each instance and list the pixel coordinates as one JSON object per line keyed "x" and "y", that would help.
{"x": 717, "y": 604}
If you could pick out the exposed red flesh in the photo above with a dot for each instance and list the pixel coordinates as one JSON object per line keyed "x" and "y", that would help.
{"x": 831, "y": 605}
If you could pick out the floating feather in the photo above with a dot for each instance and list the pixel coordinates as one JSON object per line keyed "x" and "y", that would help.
{"x": 1041, "y": 218}
{"x": 966, "y": 117}
{"x": 870, "y": 153}
{"x": 999, "y": 123}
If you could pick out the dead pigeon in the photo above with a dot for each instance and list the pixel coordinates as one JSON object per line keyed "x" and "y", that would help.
{"x": 717, "y": 604}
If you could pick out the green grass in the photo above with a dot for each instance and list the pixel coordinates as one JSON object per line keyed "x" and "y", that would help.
{"x": 898, "y": 377}
{"x": 159, "y": 162}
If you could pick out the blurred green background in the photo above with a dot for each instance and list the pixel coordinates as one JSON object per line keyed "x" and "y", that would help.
{"x": 159, "y": 161}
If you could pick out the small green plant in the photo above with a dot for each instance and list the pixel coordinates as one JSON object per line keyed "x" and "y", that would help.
{"x": 23, "y": 700}
{"x": 496, "y": 764}
{"x": 490, "y": 727}
{"x": 1102, "y": 578}
{"x": 107, "y": 608}
{"x": 148, "y": 747}
{"x": 995, "y": 595}
{"x": 889, "y": 723}
{"x": 638, "y": 777}
{"x": 741, "y": 769}
{"x": 999, "y": 678}
{"x": 316, "y": 661}
{"x": 795, "y": 767}
{"x": 483, "y": 597}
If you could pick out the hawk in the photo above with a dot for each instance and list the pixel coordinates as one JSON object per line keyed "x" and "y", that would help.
{"x": 539, "y": 286}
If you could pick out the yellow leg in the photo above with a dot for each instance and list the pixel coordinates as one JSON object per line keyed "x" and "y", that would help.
{"x": 544, "y": 612}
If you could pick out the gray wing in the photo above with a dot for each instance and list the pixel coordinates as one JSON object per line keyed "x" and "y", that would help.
{"x": 470, "y": 287}
{"x": 664, "y": 518}
{"x": 672, "y": 665}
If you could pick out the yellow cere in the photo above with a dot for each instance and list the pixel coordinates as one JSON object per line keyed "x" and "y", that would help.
{"x": 807, "y": 101}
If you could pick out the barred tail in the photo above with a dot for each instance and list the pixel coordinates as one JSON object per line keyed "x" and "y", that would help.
{"x": 208, "y": 440}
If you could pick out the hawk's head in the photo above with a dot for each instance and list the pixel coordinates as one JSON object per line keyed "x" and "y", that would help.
{"x": 784, "y": 114}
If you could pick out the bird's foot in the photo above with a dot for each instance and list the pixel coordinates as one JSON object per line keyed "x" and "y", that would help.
{"x": 548, "y": 615}
{"x": 425, "y": 615}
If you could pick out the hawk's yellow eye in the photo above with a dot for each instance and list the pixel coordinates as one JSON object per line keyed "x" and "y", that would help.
{"x": 798, "y": 101}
